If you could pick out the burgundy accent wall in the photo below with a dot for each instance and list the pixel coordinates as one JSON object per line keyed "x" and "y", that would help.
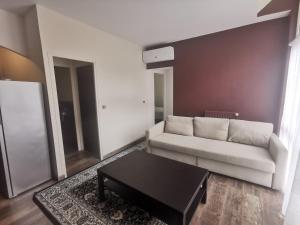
{"x": 276, "y": 6}
{"x": 239, "y": 70}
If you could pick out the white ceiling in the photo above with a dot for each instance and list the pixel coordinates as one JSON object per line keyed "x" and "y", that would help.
{"x": 149, "y": 22}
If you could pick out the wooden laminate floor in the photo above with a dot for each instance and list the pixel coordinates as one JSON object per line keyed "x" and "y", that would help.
{"x": 23, "y": 211}
{"x": 235, "y": 202}
{"x": 230, "y": 202}
{"x": 79, "y": 161}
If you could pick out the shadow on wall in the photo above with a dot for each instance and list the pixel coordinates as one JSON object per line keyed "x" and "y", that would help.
{"x": 16, "y": 67}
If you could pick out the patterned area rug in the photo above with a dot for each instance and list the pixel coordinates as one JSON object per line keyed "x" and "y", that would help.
{"x": 73, "y": 201}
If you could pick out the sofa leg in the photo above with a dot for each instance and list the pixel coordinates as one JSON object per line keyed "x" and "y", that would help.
{"x": 148, "y": 150}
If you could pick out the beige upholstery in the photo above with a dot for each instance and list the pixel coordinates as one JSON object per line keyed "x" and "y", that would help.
{"x": 238, "y": 172}
{"x": 262, "y": 165}
{"x": 179, "y": 125}
{"x": 232, "y": 153}
{"x": 212, "y": 128}
{"x": 242, "y": 173}
{"x": 280, "y": 155}
{"x": 181, "y": 157}
{"x": 154, "y": 131}
{"x": 180, "y": 119}
{"x": 179, "y": 128}
{"x": 250, "y": 133}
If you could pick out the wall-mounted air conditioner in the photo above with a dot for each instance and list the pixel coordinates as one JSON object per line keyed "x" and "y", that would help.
{"x": 158, "y": 55}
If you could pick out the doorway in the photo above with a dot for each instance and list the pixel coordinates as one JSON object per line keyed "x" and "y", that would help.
{"x": 163, "y": 93}
{"x": 76, "y": 95}
{"x": 159, "y": 89}
{"x": 66, "y": 108}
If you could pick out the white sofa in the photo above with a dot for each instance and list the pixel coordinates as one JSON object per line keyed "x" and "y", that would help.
{"x": 241, "y": 149}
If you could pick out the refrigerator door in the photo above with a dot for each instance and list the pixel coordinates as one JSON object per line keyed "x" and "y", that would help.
{"x": 25, "y": 134}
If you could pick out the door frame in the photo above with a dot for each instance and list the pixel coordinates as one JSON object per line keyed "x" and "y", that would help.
{"x": 75, "y": 98}
{"x": 58, "y": 154}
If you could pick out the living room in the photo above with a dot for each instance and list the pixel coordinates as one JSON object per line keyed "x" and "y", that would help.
{"x": 161, "y": 112}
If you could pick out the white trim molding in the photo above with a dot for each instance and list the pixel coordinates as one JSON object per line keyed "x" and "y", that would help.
{"x": 54, "y": 111}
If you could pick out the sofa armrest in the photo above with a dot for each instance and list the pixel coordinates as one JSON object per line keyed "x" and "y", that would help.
{"x": 154, "y": 131}
{"x": 280, "y": 156}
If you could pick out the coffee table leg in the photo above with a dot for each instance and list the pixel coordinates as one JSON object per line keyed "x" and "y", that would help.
{"x": 204, "y": 198}
{"x": 101, "y": 194}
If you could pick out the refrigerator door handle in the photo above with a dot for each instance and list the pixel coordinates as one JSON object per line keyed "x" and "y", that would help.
{"x": 9, "y": 187}
{"x": 0, "y": 118}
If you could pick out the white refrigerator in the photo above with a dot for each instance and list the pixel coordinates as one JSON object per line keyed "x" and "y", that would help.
{"x": 24, "y": 155}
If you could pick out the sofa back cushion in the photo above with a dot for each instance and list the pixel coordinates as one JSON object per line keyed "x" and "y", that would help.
{"x": 212, "y": 128}
{"x": 179, "y": 125}
{"x": 250, "y": 133}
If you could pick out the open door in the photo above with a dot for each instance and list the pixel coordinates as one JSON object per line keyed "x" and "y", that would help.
{"x": 66, "y": 108}
{"x": 87, "y": 98}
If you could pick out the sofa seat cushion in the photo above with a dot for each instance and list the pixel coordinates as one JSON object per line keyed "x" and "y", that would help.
{"x": 233, "y": 153}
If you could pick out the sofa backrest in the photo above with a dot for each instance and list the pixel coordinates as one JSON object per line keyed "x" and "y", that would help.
{"x": 250, "y": 133}
{"x": 179, "y": 125}
{"x": 238, "y": 131}
{"x": 212, "y": 128}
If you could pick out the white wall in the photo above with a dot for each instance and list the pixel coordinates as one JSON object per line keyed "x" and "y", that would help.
{"x": 121, "y": 78}
{"x": 33, "y": 40}
{"x": 12, "y": 33}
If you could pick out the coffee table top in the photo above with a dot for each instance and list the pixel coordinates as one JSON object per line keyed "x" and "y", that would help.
{"x": 172, "y": 183}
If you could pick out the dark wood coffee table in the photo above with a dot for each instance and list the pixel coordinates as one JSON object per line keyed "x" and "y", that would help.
{"x": 167, "y": 189}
